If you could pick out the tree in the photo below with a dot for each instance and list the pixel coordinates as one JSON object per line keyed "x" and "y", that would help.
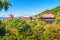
{"x": 18, "y": 24}
{"x": 2, "y": 29}
{"x": 4, "y": 5}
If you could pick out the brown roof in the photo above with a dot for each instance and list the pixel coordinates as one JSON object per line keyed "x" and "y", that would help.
{"x": 47, "y": 15}
{"x": 26, "y": 18}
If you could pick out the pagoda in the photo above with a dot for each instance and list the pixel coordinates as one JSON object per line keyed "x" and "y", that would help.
{"x": 11, "y": 16}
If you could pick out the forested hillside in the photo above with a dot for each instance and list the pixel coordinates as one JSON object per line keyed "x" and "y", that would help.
{"x": 55, "y": 11}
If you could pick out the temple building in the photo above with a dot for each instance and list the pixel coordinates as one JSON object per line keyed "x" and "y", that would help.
{"x": 11, "y": 16}
{"x": 48, "y": 17}
{"x": 26, "y": 18}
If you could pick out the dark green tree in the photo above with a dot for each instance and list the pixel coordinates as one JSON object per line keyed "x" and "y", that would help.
{"x": 2, "y": 29}
{"x": 4, "y": 4}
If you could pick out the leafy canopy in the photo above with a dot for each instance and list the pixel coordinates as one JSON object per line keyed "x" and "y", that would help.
{"x": 4, "y": 4}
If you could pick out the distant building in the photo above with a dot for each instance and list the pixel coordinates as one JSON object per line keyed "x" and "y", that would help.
{"x": 26, "y": 18}
{"x": 48, "y": 17}
{"x": 33, "y": 17}
{"x": 11, "y": 16}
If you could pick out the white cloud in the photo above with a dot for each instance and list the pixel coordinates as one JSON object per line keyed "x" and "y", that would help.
{"x": 17, "y": 15}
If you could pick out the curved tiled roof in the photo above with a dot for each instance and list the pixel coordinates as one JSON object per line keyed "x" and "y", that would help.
{"x": 47, "y": 15}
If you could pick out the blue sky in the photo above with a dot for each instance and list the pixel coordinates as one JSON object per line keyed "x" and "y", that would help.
{"x": 29, "y": 7}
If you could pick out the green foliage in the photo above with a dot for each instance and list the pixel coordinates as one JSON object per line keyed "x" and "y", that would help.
{"x": 4, "y": 5}
{"x": 18, "y": 29}
{"x": 2, "y": 29}
{"x": 18, "y": 25}
{"x": 57, "y": 20}
{"x": 1, "y": 6}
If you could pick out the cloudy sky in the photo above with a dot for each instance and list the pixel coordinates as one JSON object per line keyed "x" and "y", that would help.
{"x": 29, "y": 7}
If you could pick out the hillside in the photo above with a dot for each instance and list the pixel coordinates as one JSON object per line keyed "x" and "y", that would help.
{"x": 55, "y": 11}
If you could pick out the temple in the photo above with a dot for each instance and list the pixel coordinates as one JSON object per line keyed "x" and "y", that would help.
{"x": 26, "y": 18}
{"x": 11, "y": 17}
{"x": 48, "y": 17}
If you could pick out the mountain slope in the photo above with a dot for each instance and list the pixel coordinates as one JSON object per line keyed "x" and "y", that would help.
{"x": 55, "y": 11}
